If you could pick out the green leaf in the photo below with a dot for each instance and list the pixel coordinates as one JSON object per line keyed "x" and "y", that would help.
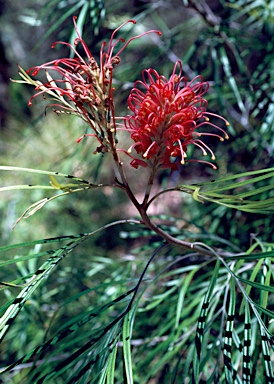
{"x": 80, "y": 24}
{"x": 127, "y": 347}
{"x": 253, "y": 256}
{"x": 232, "y": 82}
{"x": 182, "y": 294}
{"x": 211, "y": 191}
{"x": 247, "y": 346}
{"x": 41, "y": 172}
{"x": 266, "y": 279}
{"x": 253, "y": 276}
{"x": 228, "y": 333}
{"x": 42, "y": 273}
{"x": 62, "y": 17}
{"x": 263, "y": 287}
{"x": 202, "y": 321}
{"x": 111, "y": 366}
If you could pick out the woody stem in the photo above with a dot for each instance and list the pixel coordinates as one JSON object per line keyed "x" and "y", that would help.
{"x": 148, "y": 187}
{"x": 124, "y": 183}
{"x": 173, "y": 240}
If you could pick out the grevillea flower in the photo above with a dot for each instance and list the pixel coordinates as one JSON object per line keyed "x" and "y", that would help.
{"x": 168, "y": 116}
{"x": 83, "y": 87}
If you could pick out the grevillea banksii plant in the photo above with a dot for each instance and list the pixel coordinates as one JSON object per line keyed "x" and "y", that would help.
{"x": 168, "y": 115}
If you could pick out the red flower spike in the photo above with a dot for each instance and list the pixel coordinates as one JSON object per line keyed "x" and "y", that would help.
{"x": 83, "y": 87}
{"x": 166, "y": 116}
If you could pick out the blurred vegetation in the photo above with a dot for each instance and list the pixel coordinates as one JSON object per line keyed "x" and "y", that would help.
{"x": 230, "y": 43}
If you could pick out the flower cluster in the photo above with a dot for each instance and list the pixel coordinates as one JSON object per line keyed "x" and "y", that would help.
{"x": 166, "y": 118}
{"x": 83, "y": 87}
{"x": 168, "y": 114}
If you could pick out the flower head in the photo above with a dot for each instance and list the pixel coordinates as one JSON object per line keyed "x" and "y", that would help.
{"x": 83, "y": 87}
{"x": 166, "y": 118}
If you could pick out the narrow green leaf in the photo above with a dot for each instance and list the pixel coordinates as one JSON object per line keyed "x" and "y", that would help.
{"x": 246, "y": 347}
{"x": 41, "y": 172}
{"x": 267, "y": 358}
{"x": 158, "y": 299}
{"x": 102, "y": 378}
{"x": 111, "y": 366}
{"x": 182, "y": 294}
{"x": 210, "y": 191}
{"x": 70, "y": 12}
{"x": 253, "y": 276}
{"x": 227, "y": 69}
{"x": 28, "y": 187}
{"x": 202, "y": 322}
{"x": 268, "y": 312}
{"x": 40, "y": 241}
{"x": 255, "y": 307}
{"x": 254, "y": 256}
{"x": 127, "y": 347}
{"x": 266, "y": 278}
{"x": 216, "y": 184}
{"x": 257, "y": 285}
{"x": 228, "y": 334}
{"x": 42, "y": 273}
{"x": 24, "y": 258}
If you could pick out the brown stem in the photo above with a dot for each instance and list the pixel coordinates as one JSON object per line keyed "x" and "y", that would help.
{"x": 170, "y": 239}
{"x": 148, "y": 188}
{"x": 142, "y": 209}
{"x": 124, "y": 184}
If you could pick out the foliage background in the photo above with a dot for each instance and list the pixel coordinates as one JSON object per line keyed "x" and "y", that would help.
{"x": 231, "y": 44}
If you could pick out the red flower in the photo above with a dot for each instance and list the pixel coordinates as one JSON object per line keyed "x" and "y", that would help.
{"x": 83, "y": 87}
{"x": 166, "y": 117}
